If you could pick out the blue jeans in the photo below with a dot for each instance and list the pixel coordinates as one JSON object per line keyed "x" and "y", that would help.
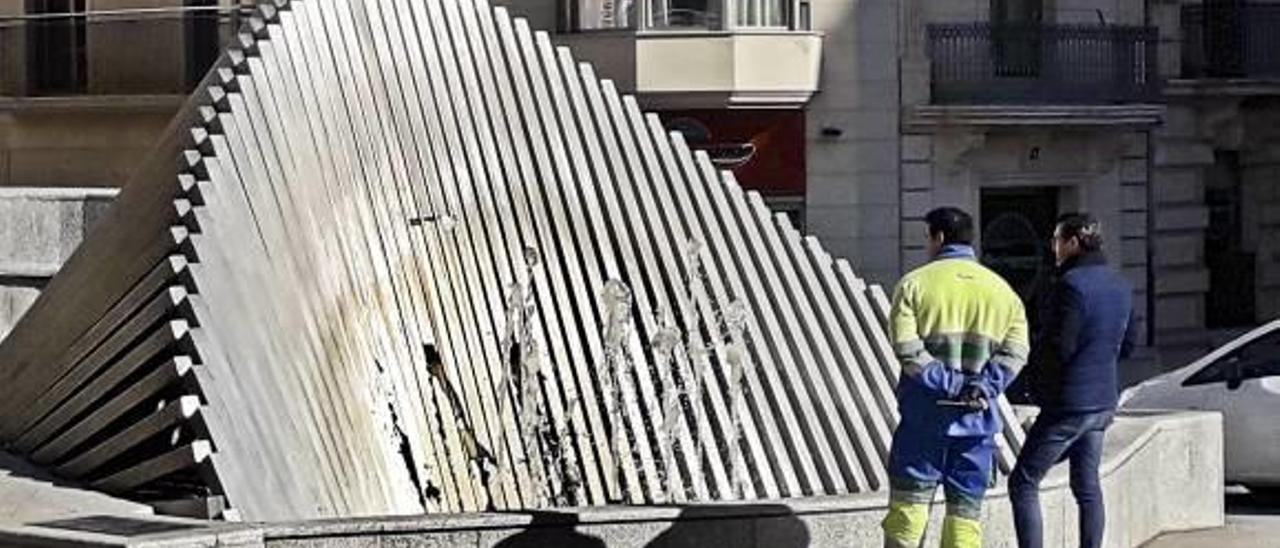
{"x": 1053, "y": 438}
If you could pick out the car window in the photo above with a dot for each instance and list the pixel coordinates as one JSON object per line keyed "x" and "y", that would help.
{"x": 1260, "y": 358}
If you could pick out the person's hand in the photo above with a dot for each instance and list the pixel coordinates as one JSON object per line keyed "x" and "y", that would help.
{"x": 974, "y": 395}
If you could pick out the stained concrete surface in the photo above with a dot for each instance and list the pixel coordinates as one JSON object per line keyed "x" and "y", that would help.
{"x": 39, "y": 229}
{"x": 29, "y": 495}
{"x": 1143, "y": 450}
{"x": 1253, "y": 521}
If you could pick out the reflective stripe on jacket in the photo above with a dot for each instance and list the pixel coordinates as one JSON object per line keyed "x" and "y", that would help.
{"x": 950, "y": 320}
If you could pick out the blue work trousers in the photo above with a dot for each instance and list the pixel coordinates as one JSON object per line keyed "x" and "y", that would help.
{"x": 963, "y": 466}
{"x": 1053, "y": 438}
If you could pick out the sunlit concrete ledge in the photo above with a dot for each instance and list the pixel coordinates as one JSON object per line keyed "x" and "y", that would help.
{"x": 717, "y": 69}
{"x": 117, "y": 103}
{"x": 1162, "y": 472}
{"x": 39, "y": 228}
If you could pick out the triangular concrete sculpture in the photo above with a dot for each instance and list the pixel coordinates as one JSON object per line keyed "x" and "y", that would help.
{"x": 407, "y": 256}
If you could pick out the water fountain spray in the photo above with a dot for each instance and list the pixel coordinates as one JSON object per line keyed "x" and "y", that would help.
{"x": 616, "y": 300}
{"x": 735, "y": 319}
{"x": 665, "y": 343}
{"x": 696, "y": 350}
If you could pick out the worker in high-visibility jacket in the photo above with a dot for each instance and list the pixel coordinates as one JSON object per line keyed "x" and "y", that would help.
{"x": 960, "y": 333}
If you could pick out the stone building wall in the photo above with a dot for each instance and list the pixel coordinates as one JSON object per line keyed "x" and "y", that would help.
{"x": 1182, "y": 154}
{"x": 82, "y": 142}
{"x": 1197, "y": 128}
{"x": 1103, "y": 172}
{"x": 852, "y": 198}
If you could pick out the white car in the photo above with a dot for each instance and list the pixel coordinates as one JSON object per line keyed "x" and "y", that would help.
{"x": 1242, "y": 380}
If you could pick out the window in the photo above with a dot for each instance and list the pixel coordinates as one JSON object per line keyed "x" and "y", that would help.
{"x": 763, "y": 13}
{"x": 73, "y": 49}
{"x": 1259, "y": 358}
{"x": 56, "y": 47}
{"x": 1016, "y": 224}
{"x": 685, "y": 14}
{"x": 605, "y": 14}
{"x": 1017, "y": 47}
{"x": 1231, "y": 260}
{"x": 203, "y": 45}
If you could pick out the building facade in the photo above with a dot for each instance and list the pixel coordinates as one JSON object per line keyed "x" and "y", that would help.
{"x": 1159, "y": 117}
{"x": 86, "y": 89}
{"x": 855, "y": 117}
{"x": 86, "y": 86}
{"x": 1216, "y": 168}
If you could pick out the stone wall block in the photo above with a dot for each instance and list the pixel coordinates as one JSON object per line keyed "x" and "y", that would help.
{"x": 1134, "y": 145}
{"x": 1181, "y": 121}
{"x": 853, "y": 156}
{"x": 1133, "y": 224}
{"x": 917, "y": 147}
{"x": 917, "y": 176}
{"x": 1178, "y": 250}
{"x": 843, "y": 190}
{"x": 1179, "y": 312}
{"x": 913, "y": 258}
{"x": 1182, "y": 218}
{"x": 1133, "y": 198}
{"x": 1133, "y": 251}
{"x": 1183, "y": 154}
{"x": 915, "y": 204}
{"x": 875, "y": 254}
{"x": 1175, "y": 186}
{"x": 1182, "y": 281}
{"x": 1137, "y": 276}
{"x": 1133, "y": 170}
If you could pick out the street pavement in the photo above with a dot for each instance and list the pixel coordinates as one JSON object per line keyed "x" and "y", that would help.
{"x": 1252, "y": 521}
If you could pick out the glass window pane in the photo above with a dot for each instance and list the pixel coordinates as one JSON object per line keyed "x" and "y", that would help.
{"x": 607, "y": 14}
{"x": 762, "y": 13}
{"x": 685, "y": 13}
{"x": 1258, "y": 359}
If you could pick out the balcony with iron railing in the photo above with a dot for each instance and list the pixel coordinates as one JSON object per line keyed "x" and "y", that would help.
{"x": 81, "y": 57}
{"x": 1066, "y": 64}
{"x": 1231, "y": 40}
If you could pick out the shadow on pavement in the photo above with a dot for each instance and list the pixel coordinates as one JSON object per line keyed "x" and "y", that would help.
{"x": 720, "y": 525}
{"x": 551, "y": 529}
{"x": 1260, "y": 503}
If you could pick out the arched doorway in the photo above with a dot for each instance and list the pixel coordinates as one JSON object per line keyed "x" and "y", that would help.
{"x": 1016, "y": 225}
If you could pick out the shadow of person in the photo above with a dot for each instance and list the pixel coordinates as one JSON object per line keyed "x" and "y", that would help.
{"x": 551, "y": 529}
{"x": 726, "y": 525}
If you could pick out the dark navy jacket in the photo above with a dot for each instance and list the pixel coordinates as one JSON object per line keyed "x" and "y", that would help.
{"x": 1087, "y": 324}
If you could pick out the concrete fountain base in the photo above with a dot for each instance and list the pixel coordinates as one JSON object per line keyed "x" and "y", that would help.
{"x": 1162, "y": 472}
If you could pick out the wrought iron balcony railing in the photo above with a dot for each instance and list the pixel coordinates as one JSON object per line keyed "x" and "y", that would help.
{"x": 981, "y": 63}
{"x": 1231, "y": 39}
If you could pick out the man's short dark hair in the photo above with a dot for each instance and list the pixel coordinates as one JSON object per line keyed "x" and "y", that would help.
{"x": 1085, "y": 228}
{"x": 955, "y": 226}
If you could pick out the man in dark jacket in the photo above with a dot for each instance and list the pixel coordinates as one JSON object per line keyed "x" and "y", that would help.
{"x": 1087, "y": 325}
